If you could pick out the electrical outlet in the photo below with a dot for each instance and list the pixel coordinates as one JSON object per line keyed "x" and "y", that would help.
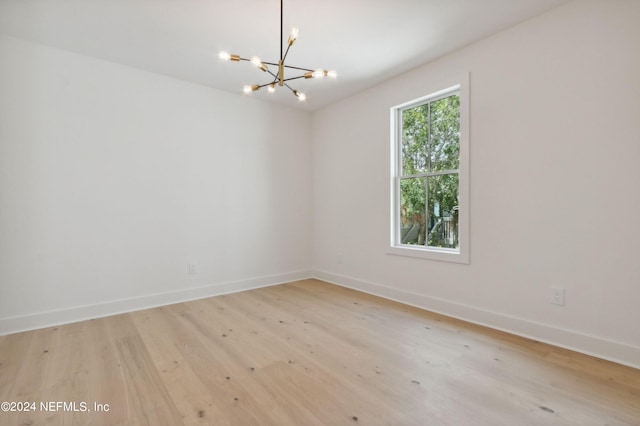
{"x": 557, "y": 296}
{"x": 192, "y": 269}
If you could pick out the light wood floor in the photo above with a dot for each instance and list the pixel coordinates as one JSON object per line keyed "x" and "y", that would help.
{"x": 305, "y": 353}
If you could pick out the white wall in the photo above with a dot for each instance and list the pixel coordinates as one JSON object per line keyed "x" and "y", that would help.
{"x": 555, "y": 174}
{"x": 112, "y": 180}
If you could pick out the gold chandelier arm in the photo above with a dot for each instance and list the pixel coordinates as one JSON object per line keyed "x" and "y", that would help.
{"x": 286, "y": 53}
{"x": 298, "y": 68}
{"x": 294, "y": 78}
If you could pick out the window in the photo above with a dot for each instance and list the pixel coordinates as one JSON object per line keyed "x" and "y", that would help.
{"x": 429, "y": 213}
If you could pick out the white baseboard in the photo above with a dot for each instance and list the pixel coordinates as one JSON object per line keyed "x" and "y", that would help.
{"x": 80, "y": 313}
{"x": 591, "y": 345}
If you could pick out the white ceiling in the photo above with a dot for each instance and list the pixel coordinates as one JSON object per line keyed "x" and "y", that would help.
{"x": 366, "y": 41}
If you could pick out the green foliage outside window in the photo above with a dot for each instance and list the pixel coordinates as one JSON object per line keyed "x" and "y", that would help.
{"x": 429, "y": 181}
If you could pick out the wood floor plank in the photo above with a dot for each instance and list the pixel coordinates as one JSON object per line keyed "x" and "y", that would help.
{"x": 305, "y": 353}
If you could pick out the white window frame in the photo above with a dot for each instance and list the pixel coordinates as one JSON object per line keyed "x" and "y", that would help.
{"x": 460, "y": 255}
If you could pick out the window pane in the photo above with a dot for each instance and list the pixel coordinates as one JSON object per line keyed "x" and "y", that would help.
{"x": 412, "y": 211}
{"x": 415, "y": 132}
{"x": 444, "y": 149}
{"x": 443, "y": 211}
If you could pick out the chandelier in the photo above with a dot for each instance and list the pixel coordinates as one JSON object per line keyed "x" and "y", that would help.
{"x": 277, "y": 70}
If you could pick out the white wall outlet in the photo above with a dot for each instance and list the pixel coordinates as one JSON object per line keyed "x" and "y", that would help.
{"x": 557, "y": 296}
{"x": 192, "y": 269}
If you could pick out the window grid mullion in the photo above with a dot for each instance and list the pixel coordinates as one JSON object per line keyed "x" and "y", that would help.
{"x": 427, "y": 174}
{"x": 428, "y": 144}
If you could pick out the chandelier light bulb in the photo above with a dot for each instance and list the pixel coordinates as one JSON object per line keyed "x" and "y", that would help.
{"x": 293, "y": 35}
{"x": 272, "y": 88}
{"x": 319, "y": 73}
{"x": 247, "y": 89}
{"x": 256, "y": 61}
{"x": 332, "y": 74}
{"x": 226, "y": 56}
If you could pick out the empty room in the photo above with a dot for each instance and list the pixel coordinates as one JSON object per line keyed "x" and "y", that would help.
{"x": 263, "y": 212}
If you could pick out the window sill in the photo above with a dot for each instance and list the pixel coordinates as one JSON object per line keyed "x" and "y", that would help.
{"x": 444, "y": 255}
